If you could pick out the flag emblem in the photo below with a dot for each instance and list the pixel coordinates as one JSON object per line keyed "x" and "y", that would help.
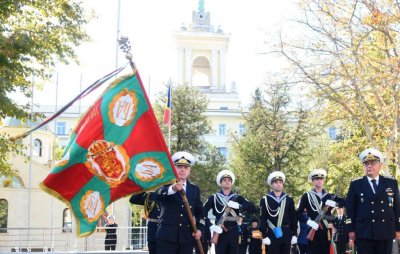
{"x": 108, "y": 161}
{"x": 92, "y": 205}
{"x": 149, "y": 169}
{"x": 123, "y": 108}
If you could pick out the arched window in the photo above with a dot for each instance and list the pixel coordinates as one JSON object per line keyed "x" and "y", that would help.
{"x": 67, "y": 220}
{"x": 37, "y": 147}
{"x": 201, "y": 72}
{"x": 3, "y": 215}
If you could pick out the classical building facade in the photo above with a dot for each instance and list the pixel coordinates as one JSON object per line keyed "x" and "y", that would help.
{"x": 30, "y": 217}
{"x": 201, "y": 53}
{"x": 30, "y": 212}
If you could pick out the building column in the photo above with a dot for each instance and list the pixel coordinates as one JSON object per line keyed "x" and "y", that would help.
{"x": 214, "y": 68}
{"x": 180, "y": 66}
{"x": 188, "y": 66}
{"x": 222, "y": 57}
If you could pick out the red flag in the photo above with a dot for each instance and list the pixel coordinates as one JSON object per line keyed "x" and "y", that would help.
{"x": 116, "y": 150}
{"x": 168, "y": 108}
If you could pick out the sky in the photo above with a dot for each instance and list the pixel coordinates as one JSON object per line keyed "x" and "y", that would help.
{"x": 150, "y": 26}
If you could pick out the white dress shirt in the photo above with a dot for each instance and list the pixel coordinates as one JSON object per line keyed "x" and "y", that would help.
{"x": 370, "y": 183}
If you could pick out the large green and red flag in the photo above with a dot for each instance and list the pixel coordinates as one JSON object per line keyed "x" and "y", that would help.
{"x": 116, "y": 150}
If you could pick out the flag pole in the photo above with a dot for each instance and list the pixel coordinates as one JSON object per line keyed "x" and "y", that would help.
{"x": 125, "y": 46}
{"x": 170, "y": 116}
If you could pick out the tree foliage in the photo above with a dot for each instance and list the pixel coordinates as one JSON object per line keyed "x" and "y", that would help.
{"x": 189, "y": 126}
{"x": 348, "y": 54}
{"x": 33, "y": 36}
{"x": 277, "y": 138}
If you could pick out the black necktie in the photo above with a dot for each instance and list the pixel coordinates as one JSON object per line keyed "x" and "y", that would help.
{"x": 374, "y": 185}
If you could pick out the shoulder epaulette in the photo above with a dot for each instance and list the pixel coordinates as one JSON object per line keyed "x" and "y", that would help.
{"x": 389, "y": 177}
{"x": 357, "y": 179}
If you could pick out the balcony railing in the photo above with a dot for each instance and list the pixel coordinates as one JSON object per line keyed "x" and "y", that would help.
{"x": 62, "y": 240}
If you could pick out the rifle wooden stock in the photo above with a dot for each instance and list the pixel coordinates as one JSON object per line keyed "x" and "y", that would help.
{"x": 220, "y": 222}
{"x": 311, "y": 233}
{"x": 263, "y": 248}
{"x": 214, "y": 238}
{"x": 192, "y": 222}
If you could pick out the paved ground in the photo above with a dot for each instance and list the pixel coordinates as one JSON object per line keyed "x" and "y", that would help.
{"x": 91, "y": 252}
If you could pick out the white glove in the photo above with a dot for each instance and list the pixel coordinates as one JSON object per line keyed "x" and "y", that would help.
{"x": 266, "y": 241}
{"x": 312, "y": 224}
{"x": 294, "y": 240}
{"x": 330, "y": 203}
{"x": 216, "y": 229}
{"x": 233, "y": 204}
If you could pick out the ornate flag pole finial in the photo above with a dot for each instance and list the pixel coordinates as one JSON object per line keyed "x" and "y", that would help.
{"x": 125, "y": 46}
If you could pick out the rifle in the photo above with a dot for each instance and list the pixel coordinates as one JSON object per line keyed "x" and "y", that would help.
{"x": 220, "y": 222}
{"x": 321, "y": 216}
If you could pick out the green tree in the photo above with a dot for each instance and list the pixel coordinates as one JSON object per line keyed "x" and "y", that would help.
{"x": 205, "y": 172}
{"x": 348, "y": 55}
{"x": 189, "y": 126}
{"x": 276, "y": 138}
{"x": 33, "y": 36}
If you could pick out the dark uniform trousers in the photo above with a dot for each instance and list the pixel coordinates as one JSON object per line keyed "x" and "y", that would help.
{"x": 374, "y": 217}
{"x": 321, "y": 242}
{"x": 205, "y": 237}
{"x": 153, "y": 208}
{"x": 254, "y": 244}
{"x": 289, "y": 222}
{"x": 340, "y": 237}
{"x": 174, "y": 232}
{"x": 242, "y": 239}
{"x": 228, "y": 240}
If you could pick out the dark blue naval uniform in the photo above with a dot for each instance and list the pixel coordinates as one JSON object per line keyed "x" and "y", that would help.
{"x": 174, "y": 232}
{"x": 243, "y": 239}
{"x": 373, "y": 217}
{"x": 321, "y": 242}
{"x": 152, "y": 211}
{"x": 270, "y": 205}
{"x": 228, "y": 240}
{"x": 254, "y": 243}
{"x": 205, "y": 237}
{"x": 340, "y": 237}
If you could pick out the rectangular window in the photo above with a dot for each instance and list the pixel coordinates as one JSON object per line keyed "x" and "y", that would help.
{"x": 332, "y": 132}
{"x": 222, "y": 129}
{"x": 223, "y": 151}
{"x": 61, "y": 128}
{"x": 242, "y": 129}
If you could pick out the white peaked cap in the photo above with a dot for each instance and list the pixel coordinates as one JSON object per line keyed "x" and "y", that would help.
{"x": 183, "y": 158}
{"x": 371, "y": 154}
{"x": 276, "y": 175}
{"x": 225, "y": 173}
{"x": 317, "y": 173}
